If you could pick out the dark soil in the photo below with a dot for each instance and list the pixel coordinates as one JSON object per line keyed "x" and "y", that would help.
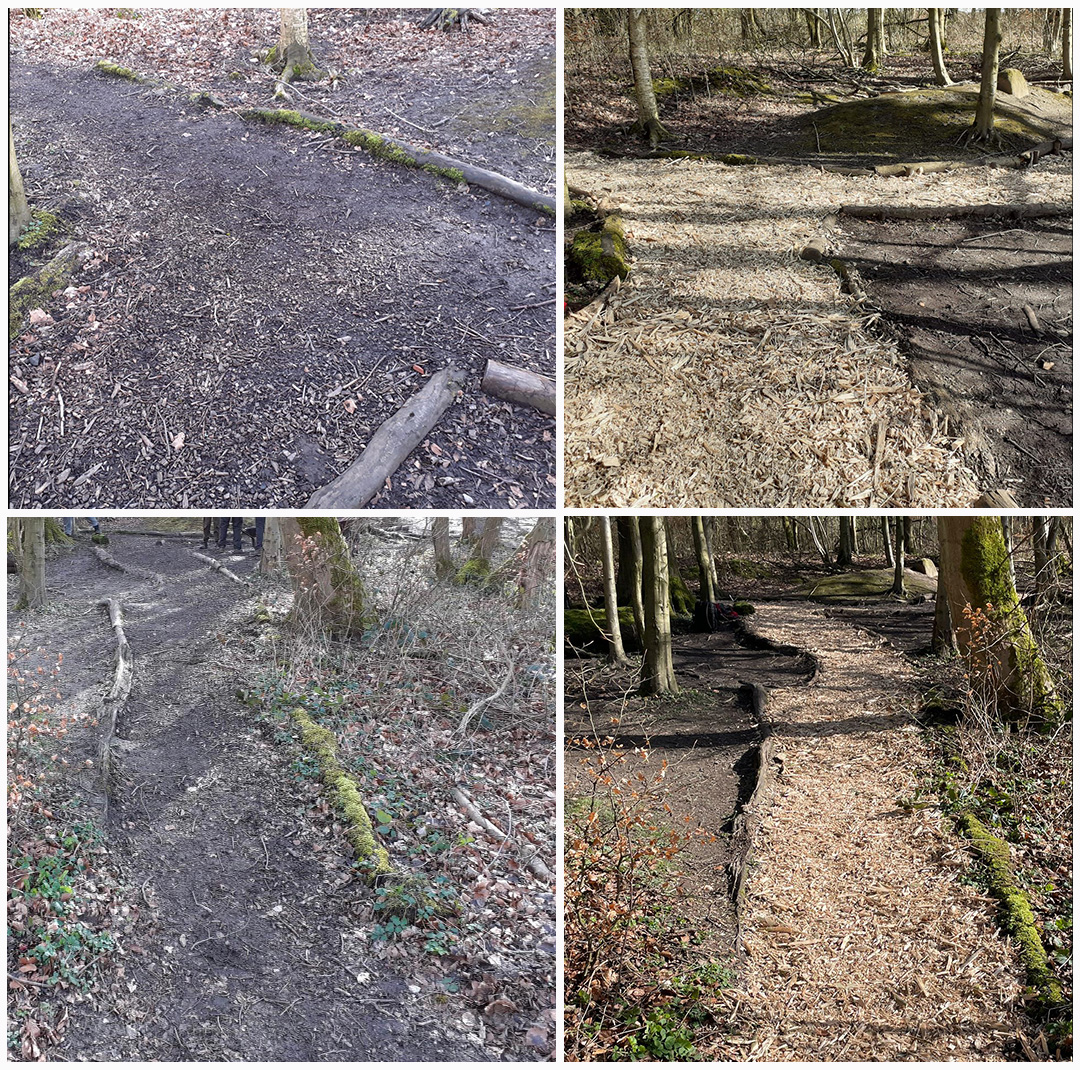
{"x": 954, "y": 292}
{"x": 247, "y": 946}
{"x": 707, "y": 736}
{"x": 260, "y": 300}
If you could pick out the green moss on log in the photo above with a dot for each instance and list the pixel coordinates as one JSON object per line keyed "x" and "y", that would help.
{"x": 387, "y": 150}
{"x": 682, "y": 601}
{"x": 42, "y": 229}
{"x": 1016, "y": 913}
{"x": 344, "y": 794}
{"x": 116, "y": 71}
{"x": 36, "y": 291}
{"x": 598, "y": 256}
{"x": 586, "y": 629}
{"x": 287, "y": 117}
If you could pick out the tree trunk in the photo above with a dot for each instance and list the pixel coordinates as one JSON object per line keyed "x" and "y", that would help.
{"x": 30, "y": 555}
{"x": 470, "y": 529}
{"x": 1007, "y": 538}
{"x": 272, "y": 558}
{"x": 328, "y": 593}
{"x": 845, "y": 552}
{"x": 18, "y": 208}
{"x": 982, "y": 130}
{"x": 909, "y": 537}
{"x": 974, "y": 576}
{"x": 292, "y": 58}
{"x": 539, "y": 550}
{"x": 682, "y": 601}
{"x": 628, "y": 582}
{"x": 657, "y": 672}
{"x": 875, "y": 39}
{"x": 701, "y": 550}
{"x": 1066, "y": 44}
{"x": 898, "y": 559}
{"x": 944, "y": 638}
{"x": 813, "y": 26}
{"x": 886, "y": 541}
{"x": 444, "y": 558}
{"x": 616, "y": 653}
{"x": 819, "y": 545}
{"x": 648, "y": 123}
{"x": 937, "y": 49}
{"x": 488, "y": 542}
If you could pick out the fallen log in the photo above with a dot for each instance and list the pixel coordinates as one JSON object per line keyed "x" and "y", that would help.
{"x": 1054, "y": 147}
{"x": 394, "y": 440}
{"x": 114, "y": 701}
{"x": 397, "y": 151}
{"x": 109, "y": 561}
{"x": 520, "y": 386}
{"x": 958, "y": 211}
{"x": 219, "y": 567}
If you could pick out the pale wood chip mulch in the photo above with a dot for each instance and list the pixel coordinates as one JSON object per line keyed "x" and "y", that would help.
{"x": 728, "y": 372}
{"x": 862, "y": 942}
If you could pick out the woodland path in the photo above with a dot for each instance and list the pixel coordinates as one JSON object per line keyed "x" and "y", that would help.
{"x": 245, "y": 949}
{"x": 727, "y": 365}
{"x": 862, "y": 942}
{"x": 257, "y": 304}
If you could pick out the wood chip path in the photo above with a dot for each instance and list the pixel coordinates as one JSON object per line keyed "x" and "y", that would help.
{"x": 862, "y": 942}
{"x": 728, "y": 372}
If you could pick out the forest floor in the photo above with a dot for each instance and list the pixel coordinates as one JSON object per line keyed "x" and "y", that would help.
{"x": 866, "y": 934}
{"x": 258, "y": 300}
{"x": 221, "y": 915}
{"x": 725, "y": 347}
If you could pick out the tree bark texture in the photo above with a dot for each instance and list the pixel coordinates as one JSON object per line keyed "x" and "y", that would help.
{"x": 616, "y": 652}
{"x": 937, "y": 48}
{"x": 657, "y": 671}
{"x": 18, "y": 207}
{"x": 444, "y": 558}
{"x": 701, "y": 550}
{"x": 982, "y": 130}
{"x": 628, "y": 581}
{"x": 328, "y": 593}
{"x": 520, "y": 386}
{"x": 648, "y": 122}
{"x": 30, "y": 554}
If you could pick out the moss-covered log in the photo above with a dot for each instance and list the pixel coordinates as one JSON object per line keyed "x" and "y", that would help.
{"x": 35, "y": 291}
{"x": 599, "y": 255}
{"x": 586, "y": 629}
{"x": 344, "y": 794}
{"x": 1016, "y": 914}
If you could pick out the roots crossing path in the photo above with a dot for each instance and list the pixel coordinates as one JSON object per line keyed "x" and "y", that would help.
{"x": 862, "y": 941}
{"x": 244, "y": 949}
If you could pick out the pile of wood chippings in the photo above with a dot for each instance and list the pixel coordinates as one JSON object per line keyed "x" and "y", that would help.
{"x": 729, "y": 372}
{"x": 862, "y": 942}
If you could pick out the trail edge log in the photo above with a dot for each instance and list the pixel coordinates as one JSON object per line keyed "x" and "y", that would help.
{"x": 391, "y": 444}
{"x": 520, "y": 386}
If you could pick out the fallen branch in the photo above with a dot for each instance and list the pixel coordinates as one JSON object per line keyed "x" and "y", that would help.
{"x": 394, "y": 440}
{"x": 219, "y": 567}
{"x": 397, "y": 151}
{"x": 114, "y": 701}
{"x": 533, "y": 864}
{"x": 520, "y": 386}
{"x": 958, "y": 211}
{"x": 486, "y": 700}
{"x": 109, "y": 561}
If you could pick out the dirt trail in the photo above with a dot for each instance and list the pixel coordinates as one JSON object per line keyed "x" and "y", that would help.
{"x": 863, "y": 943}
{"x": 258, "y": 303}
{"x": 245, "y": 951}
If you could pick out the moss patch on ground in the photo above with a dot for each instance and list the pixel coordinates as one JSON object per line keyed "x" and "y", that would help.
{"x": 43, "y": 228}
{"x": 116, "y": 71}
{"x": 344, "y": 794}
{"x": 1016, "y": 913}
{"x": 870, "y": 584}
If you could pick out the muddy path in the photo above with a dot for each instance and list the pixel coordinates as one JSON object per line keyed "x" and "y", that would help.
{"x": 708, "y": 736}
{"x": 246, "y": 948}
{"x": 257, "y": 303}
{"x": 955, "y": 292}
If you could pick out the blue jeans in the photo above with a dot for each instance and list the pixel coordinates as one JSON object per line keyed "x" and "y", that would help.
{"x": 69, "y": 525}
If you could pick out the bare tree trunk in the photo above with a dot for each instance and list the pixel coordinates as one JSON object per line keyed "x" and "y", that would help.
{"x": 898, "y": 559}
{"x": 628, "y": 584}
{"x": 937, "y": 50}
{"x": 292, "y": 57}
{"x": 1066, "y": 44}
{"x": 982, "y": 130}
{"x": 489, "y": 541}
{"x": 657, "y": 672}
{"x": 845, "y": 552}
{"x": 272, "y": 558}
{"x": 539, "y": 549}
{"x": 701, "y": 550}
{"x": 886, "y": 541}
{"x": 30, "y": 555}
{"x": 18, "y": 208}
{"x": 813, "y": 26}
{"x": 875, "y": 39}
{"x": 444, "y": 558}
{"x": 616, "y": 653}
{"x": 648, "y": 123}
{"x": 974, "y": 576}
